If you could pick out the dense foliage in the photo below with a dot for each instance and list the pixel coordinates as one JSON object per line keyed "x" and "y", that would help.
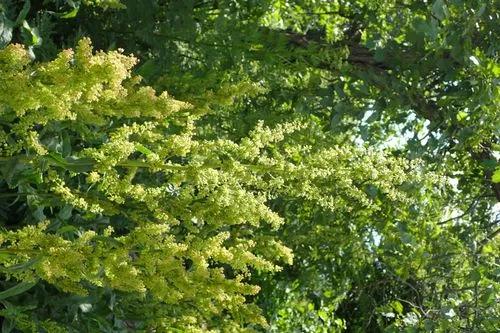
{"x": 263, "y": 165}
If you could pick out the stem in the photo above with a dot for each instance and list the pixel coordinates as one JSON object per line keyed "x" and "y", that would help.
{"x": 140, "y": 164}
{"x": 125, "y": 164}
{"x": 16, "y": 157}
{"x": 17, "y": 251}
{"x": 9, "y": 195}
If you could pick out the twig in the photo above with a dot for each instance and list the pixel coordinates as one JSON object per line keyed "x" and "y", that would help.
{"x": 471, "y": 206}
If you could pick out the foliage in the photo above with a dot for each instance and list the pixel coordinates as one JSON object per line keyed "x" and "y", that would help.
{"x": 361, "y": 136}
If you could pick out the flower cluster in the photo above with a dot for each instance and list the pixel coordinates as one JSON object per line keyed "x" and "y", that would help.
{"x": 190, "y": 213}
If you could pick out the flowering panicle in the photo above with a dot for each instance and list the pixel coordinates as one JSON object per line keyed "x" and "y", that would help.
{"x": 190, "y": 214}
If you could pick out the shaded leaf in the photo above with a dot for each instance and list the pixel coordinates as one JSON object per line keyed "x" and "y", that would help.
{"x": 17, "y": 289}
{"x": 6, "y": 27}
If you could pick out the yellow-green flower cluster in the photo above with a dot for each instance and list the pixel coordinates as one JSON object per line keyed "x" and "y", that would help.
{"x": 77, "y": 86}
{"x": 115, "y": 4}
{"x": 189, "y": 210}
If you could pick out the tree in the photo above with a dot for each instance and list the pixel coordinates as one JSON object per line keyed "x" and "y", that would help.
{"x": 382, "y": 241}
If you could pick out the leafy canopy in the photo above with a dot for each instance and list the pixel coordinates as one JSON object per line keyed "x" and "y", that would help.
{"x": 359, "y": 138}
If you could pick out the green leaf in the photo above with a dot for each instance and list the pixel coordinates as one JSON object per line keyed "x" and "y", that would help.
{"x": 425, "y": 28}
{"x": 17, "y": 289}
{"x": 38, "y": 214}
{"x": 6, "y": 27}
{"x": 475, "y": 275}
{"x": 461, "y": 115}
{"x": 147, "y": 69}
{"x": 66, "y": 144}
{"x": 488, "y": 296}
{"x": 8, "y": 325}
{"x": 56, "y": 159}
{"x": 67, "y": 229}
{"x": 496, "y": 176}
{"x": 323, "y": 315}
{"x": 474, "y": 60}
{"x": 379, "y": 55}
{"x": 32, "y": 35}
{"x": 72, "y": 13}
{"x": 140, "y": 148}
{"x": 71, "y": 163}
{"x": 440, "y": 10}
{"x": 65, "y": 212}
{"x": 489, "y": 164}
{"x": 79, "y": 164}
{"x": 397, "y": 306}
{"x": 23, "y": 13}
{"x": 22, "y": 266}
